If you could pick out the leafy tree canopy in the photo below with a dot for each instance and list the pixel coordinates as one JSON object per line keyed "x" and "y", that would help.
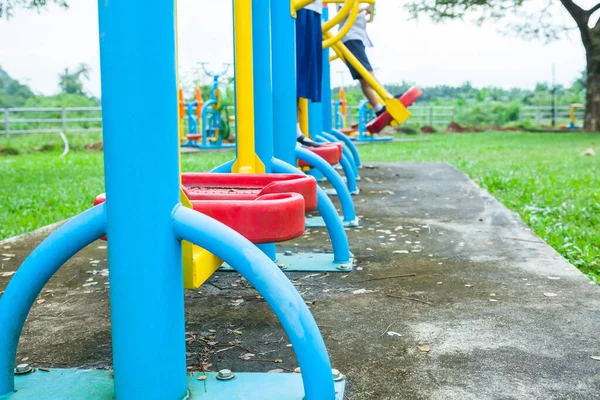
{"x": 8, "y": 7}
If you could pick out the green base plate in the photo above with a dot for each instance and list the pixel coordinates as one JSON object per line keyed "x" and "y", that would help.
{"x": 71, "y": 384}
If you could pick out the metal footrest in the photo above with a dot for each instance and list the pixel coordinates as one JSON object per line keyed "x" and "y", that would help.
{"x": 307, "y": 262}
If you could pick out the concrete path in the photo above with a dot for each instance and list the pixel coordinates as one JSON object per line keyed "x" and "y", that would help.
{"x": 492, "y": 312}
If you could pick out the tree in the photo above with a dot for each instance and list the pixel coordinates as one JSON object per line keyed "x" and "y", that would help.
{"x": 71, "y": 82}
{"x": 535, "y": 25}
{"x": 7, "y": 7}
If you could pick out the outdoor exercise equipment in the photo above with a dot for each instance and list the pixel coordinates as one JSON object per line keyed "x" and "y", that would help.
{"x": 340, "y": 108}
{"x": 322, "y": 130}
{"x": 395, "y": 109}
{"x": 572, "y": 117}
{"x": 213, "y": 115}
{"x": 272, "y": 141}
{"x": 368, "y": 124}
{"x": 145, "y": 252}
{"x": 359, "y": 133}
{"x": 194, "y": 114}
{"x": 316, "y": 119}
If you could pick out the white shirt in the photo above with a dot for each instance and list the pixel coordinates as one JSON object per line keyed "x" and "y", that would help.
{"x": 317, "y": 6}
{"x": 358, "y": 30}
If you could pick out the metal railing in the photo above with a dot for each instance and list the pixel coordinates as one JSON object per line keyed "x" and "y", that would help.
{"x": 89, "y": 119}
{"x": 544, "y": 114}
{"x": 14, "y": 121}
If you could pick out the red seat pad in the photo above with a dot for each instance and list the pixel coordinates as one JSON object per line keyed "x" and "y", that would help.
{"x": 248, "y": 186}
{"x": 330, "y": 152}
{"x": 407, "y": 99}
{"x": 268, "y": 218}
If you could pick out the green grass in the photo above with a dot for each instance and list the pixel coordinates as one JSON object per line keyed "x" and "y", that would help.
{"x": 543, "y": 177}
{"x": 39, "y": 188}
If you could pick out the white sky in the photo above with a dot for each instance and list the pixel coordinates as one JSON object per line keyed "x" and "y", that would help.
{"x": 35, "y": 48}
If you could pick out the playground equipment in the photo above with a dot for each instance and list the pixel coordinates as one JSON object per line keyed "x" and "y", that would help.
{"x": 280, "y": 153}
{"x": 360, "y": 132}
{"x": 572, "y": 117}
{"x": 396, "y": 109}
{"x": 147, "y": 318}
{"x": 367, "y": 123}
{"x": 340, "y": 108}
{"x": 194, "y": 111}
{"x": 213, "y": 114}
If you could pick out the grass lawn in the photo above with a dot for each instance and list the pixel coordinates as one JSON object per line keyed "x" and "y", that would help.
{"x": 543, "y": 177}
{"x": 38, "y": 187}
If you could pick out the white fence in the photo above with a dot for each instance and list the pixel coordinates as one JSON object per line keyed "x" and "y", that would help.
{"x": 89, "y": 119}
{"x": 545, "y": 114}
{"x": 14, "y": 121}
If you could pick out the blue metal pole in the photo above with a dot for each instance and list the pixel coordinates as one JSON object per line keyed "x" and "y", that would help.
{"x": 283, "y": 47}
{"x": 272, "y": 284}
{"x": 206, "y": 114}
{"x": 31, "y": 277}
{"x": 333, "y": 177}
{"x": 326, "y": 114}
{"x": 146, "y": 290}
{"x": 346, "y": 165}
{"x": 263, "y": 105}
{"x": 345, "y": 149}
{"x": 315, "y": 119}
{"x": 223, "y": 168}
{"x": 343, "y": 138}
{"x": 325, "y": 207}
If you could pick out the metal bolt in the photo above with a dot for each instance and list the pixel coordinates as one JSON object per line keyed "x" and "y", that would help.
{"x": 344, "y": 267}
{"x": 337, "y": 375}
{"x": 287, "y": 253}
{"x": 225, "y": 375}
{"x": 282, "y": 266}
{"x": 23, "y": 369}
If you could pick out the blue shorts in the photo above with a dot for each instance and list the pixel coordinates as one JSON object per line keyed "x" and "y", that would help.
{"x": 309, "y": 55}
{"x": 357, "y": 48}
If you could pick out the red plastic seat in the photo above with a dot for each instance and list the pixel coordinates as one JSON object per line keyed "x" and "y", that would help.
{"x": 330, "y": 152}
{"x": 194, "y": 136}
{"x": 248, "y": 186}
{"x": 269, "y": 218}
{"x": 264, "y": 208}
{"x": 407, "y": 99}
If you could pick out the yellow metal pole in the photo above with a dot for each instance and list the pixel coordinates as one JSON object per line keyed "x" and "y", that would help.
{"x": 393, "y": 106}
{"x": 337, "y": 18}
{"x": 345, "y": 29}
{"x": 303, "y": 111}
{"x": 247, "y": 162}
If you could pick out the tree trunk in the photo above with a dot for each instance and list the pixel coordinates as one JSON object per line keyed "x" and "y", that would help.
{"x": 592, "y": 102}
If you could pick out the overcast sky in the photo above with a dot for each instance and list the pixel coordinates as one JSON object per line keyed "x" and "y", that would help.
{"x": 35, "y": 48}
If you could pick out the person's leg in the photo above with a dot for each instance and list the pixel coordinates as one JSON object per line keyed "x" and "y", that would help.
{"x": 357, "y": 48}
{"x": 370, "y": 94}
